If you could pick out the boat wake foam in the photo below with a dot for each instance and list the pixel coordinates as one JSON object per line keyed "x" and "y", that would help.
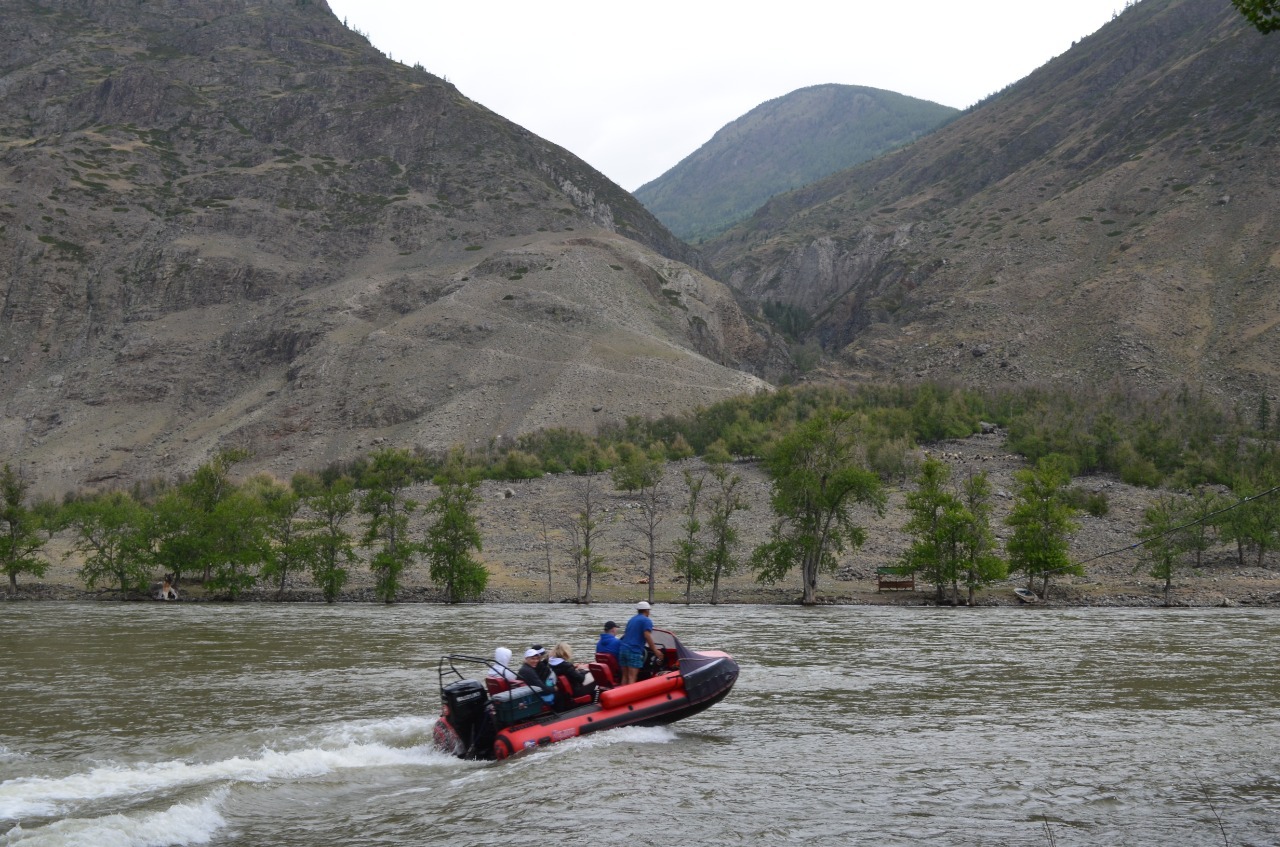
{"x": 390, "y": 743}
{"x": 177, "y": 826}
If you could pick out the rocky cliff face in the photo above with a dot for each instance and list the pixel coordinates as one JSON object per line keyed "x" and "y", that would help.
{"x": 1109, "y": 220}
{"x": 238, "y": 223}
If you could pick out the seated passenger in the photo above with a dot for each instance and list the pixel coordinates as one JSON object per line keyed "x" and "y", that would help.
{"x": 608, "y": 642}
{"x": 498, "y": 668}
{"x": 542, "y": 682}
{"x": 562, "y": 665}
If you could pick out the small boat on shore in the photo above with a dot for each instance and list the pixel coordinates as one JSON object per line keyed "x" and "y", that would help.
{"x": 477, "y": 724}
{"x": 1026, "y": 595}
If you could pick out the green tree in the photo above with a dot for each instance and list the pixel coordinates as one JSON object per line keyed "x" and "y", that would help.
{"x": 1259, "y": 521}
{"x": 290, "y": 546}
{"x": 453, "y": 535}
{"x": 980, "y": 563}
{"x": 1196, "y": 514}
{"x": 111, "y": 531}
{"x": 189, "y": 532}
{"x": 818, "y": 480}
{"x": 589, "y": 527}
{"x": 238, "y": 544}
{"x": 178, "y": 532}
{"x": 934, "y": 527}
{"x": 1042, "y": 519}
{"x": 636, "y": 469}
{"x": 389, "y": 474}
{"x": 647, "y": 520}
{"x": 1161, "y": 545}
{"x": 724, "y": 502}
{"x": 1264, "y": 15}
{"x": 1233, "y": 524}
{"x": 21, "y": 541}
{"x": 687, "y": 561}
{"x": 331, "y": 504}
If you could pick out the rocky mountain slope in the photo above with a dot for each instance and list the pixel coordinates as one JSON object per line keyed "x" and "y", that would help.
{"x": 783, "y": 144}
{"x": 1114, "y": 218}
{"x": 236, "y": 223}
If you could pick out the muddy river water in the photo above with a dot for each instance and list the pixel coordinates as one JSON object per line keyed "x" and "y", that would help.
{"x": 306, "y": 725}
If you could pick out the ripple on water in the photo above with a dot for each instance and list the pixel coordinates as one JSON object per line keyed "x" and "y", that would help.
{"x": 303, "y": 726}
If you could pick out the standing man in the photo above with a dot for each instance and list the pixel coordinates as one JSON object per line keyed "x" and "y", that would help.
{"x": 639, "y": 632}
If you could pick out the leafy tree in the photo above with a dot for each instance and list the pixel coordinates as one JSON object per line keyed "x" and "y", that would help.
{"x": 178, "y": 535}
{"x": 453, "y": 535}
{"x": 390, "y": 472}
{"x": 933, "y": 526}
{"x": 1259, "y": 520}
{"x": 21, "y": 540}
{"x": 543, "y": 522}
{"x": 724, "y": 501}
{"x": 646, "y": 521}
{"x": 1264, "y": 15}
{"x": 688, "y": 561}
{"x": 636, "y": 469}
{"x": 112, "y": 533}
{"x": 290, "y": 547}
{"x": 980, "y": 563}
{"x": 590, "y": 527}
{"x": 331, "y": 503}
{"x": 818, "y": 480}
{"x": 1196, "y": 513}
{"x": 1233, "y": 525}
{"x": 208, "y": 487}
{"x": 1160, "y": 542}
{"x": 1042, "y": 520}
{"x": 188, "y": 532}
{"x": 953, "y": 541}
{"x": 237, "y": 543}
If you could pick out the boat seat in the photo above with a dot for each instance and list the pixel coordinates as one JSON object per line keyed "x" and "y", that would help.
{"x": 565, "y": 696}
{"x": 602, "y": 675}
{"x": 610, "y": 661}
{"x": 497, "y": 684}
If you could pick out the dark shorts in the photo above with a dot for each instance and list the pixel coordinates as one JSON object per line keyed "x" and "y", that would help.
{"x": 629, "y": 657}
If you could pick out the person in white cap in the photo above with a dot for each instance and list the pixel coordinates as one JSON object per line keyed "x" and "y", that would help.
{"x": 532, "y": 675}
{"x": 638, "y": 634}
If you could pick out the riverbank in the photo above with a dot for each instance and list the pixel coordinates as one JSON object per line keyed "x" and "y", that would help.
{"x": 513, "y": 517}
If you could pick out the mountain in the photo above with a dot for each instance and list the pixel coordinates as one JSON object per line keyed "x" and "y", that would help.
{"x": 1111, "y": 219}
{"x": 783, "y": 144}
{"x": 236, "y": 223}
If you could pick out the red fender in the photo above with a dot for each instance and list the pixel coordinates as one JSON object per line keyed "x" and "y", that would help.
{"x": 624, "y": 694}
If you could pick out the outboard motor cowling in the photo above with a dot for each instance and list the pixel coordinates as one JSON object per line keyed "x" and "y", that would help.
{"x": 464, "y": 708}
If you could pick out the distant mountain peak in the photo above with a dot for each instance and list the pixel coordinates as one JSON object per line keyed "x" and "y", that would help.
{"x": 780, "y": 145}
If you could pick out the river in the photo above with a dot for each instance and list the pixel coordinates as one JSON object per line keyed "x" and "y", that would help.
{"x": 124, "y": 725}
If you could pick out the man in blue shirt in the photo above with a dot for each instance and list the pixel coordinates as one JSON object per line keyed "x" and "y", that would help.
{"x": 608, "y": 642}
{"x": 639, "y": 632}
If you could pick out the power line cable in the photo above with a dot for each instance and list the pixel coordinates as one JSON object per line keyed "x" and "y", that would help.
{"x": 1198, "y": 520}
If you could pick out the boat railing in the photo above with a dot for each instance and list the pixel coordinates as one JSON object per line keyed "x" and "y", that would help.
{"x": 448, "y": 668}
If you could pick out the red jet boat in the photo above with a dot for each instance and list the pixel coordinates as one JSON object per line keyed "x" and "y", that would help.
{"x": 477, "y": 721}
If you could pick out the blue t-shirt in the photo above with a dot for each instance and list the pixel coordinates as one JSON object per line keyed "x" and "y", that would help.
{"x": 636, "y": 628}
{"x": 608, "y": 643}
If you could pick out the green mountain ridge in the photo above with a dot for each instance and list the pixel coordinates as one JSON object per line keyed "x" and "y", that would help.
{"x": 780, "y": 145}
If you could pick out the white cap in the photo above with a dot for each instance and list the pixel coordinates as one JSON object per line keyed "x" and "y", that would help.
{"x": 530, "y": 653}
{"x": 643, "y": 606}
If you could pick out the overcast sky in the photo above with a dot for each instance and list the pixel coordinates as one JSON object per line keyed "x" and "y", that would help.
{"x": 633, "y": 89}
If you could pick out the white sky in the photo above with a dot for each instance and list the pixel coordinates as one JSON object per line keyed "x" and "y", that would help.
{"x": 635, "y": 89}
